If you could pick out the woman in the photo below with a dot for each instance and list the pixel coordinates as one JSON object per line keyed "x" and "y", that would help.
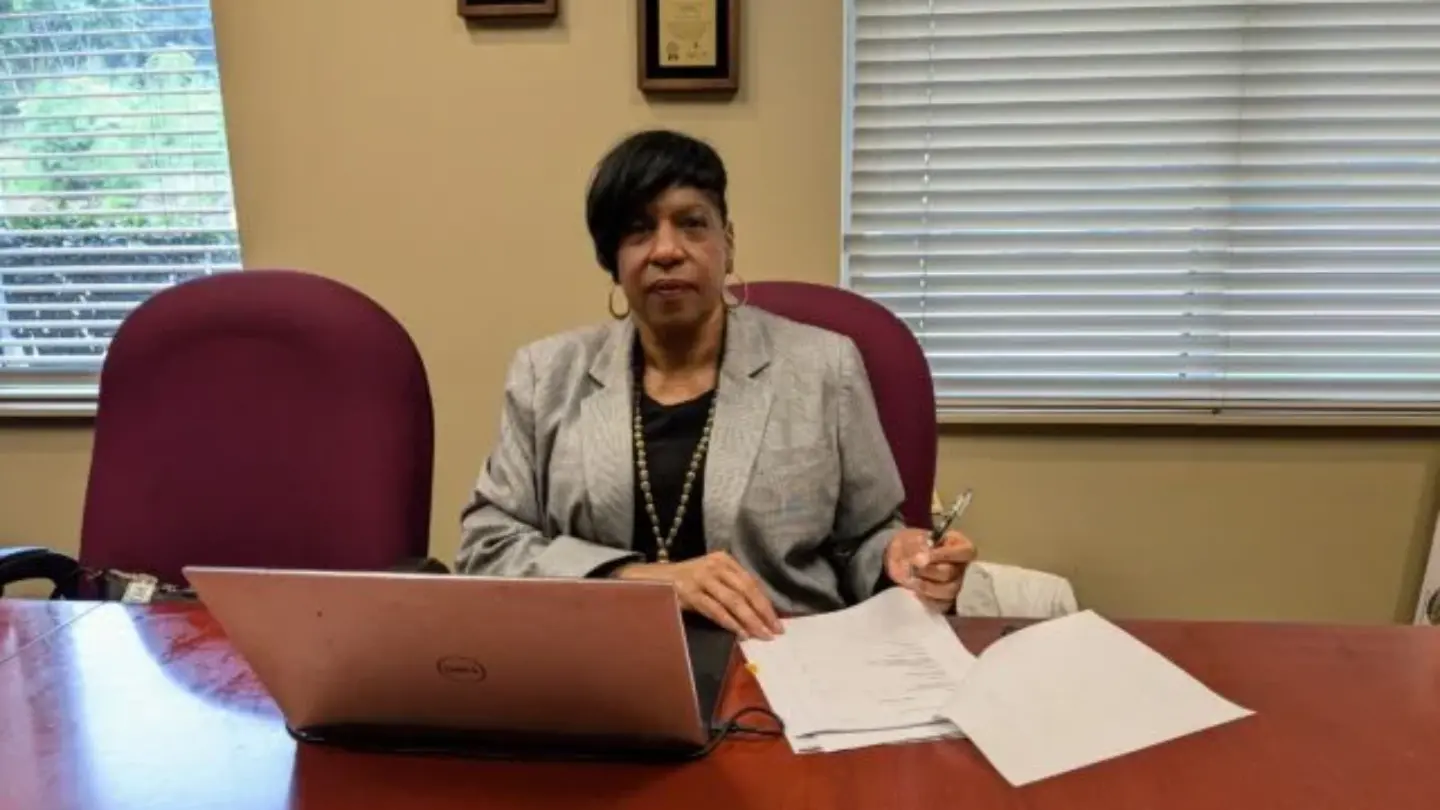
{"x": 729, "y": 451}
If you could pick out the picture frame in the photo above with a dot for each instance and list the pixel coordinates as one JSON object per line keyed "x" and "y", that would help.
{"x": 508, "y": 9}
{"x": 686, "y": 46}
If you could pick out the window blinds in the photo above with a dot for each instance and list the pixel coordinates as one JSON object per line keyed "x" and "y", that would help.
{"x": 1152, "y": 204}
{"x": 114, "y": 177}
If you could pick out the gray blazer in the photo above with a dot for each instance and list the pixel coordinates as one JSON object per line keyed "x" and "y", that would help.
{"x": 800, "y": 485}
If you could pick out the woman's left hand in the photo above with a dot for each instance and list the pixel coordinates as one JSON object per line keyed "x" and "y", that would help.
{"x": 934, "y": 574}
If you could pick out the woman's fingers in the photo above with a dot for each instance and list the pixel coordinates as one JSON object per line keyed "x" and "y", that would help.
{"x": 713, "y": 610}
{"x": 938, "y": 605}
{"x": 939, "y": 597}
{"x": 748, "y": 586}
{"x": 735, "y": 603}
{"x": 932, "y": 573}
{"x": 940, "y": 572}
{"x": 717, "y": 586}
{"x": 951, "y": 554}
{"x": 945, "y": 562}
{"x": 936, "y": 591}
{"x": 904, "y": 552}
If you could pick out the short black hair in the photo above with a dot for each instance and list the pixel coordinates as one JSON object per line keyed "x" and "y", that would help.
{"x": 636, "y": 171}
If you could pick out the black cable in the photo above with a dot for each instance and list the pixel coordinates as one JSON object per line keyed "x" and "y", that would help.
{"x": 733, "y": 727}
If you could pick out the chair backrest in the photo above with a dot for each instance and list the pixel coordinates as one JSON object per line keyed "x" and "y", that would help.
{"x": 260, "y": 418}
{"x": 895, "y": 363}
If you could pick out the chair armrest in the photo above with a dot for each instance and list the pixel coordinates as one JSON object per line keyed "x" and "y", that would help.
{"x": 419, "y": 565}
{"x": 19, "y": 563}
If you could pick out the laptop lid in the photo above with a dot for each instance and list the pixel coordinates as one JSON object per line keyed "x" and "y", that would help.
{"x": 588, "y": 662}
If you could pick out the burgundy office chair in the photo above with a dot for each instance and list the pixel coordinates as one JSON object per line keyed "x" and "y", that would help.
{"x": 895, "y": 363}
{"x": 261, "y": 418}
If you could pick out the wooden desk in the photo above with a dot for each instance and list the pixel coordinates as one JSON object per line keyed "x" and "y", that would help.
{"x": 150, "y": 708}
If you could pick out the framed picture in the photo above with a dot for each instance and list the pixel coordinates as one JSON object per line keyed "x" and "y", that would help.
{"x": 501, "y": 9}
{"x": 689, "y": 45}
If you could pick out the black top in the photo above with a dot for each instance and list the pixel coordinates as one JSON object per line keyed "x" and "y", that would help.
{"x": 671, "y": 435}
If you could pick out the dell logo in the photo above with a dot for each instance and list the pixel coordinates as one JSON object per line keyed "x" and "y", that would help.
{"x": 460, "y": 668}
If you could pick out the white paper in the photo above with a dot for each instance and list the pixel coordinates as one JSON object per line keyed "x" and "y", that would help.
{"x": 833, "y": 741}
{"x": 885, "y": 666}
{"x": 1075, "y": 691}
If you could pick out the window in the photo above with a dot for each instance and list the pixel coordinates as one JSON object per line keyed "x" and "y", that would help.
{"x": 1152, "y": 205}
{"x": 114, "y": 179}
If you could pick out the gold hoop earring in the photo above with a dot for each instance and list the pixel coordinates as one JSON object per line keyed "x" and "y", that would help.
{"x": 610, "y": 304}
{"x": 744, "y": 292}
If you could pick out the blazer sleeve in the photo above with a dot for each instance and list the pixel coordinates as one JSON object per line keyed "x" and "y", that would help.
{"x": 501, "y": 531}
{"x": 871, "y": 494}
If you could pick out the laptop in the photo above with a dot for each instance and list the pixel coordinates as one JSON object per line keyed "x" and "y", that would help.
{"x": 514, "y": 668}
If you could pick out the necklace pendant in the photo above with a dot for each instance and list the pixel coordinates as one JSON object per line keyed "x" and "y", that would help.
{"x": 662, "y": 556}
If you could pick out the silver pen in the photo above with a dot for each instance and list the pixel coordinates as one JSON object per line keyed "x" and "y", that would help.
{"x": 956, "y": 510}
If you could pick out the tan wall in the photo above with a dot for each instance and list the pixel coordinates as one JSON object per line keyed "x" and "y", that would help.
{"x": 441, "y": 170}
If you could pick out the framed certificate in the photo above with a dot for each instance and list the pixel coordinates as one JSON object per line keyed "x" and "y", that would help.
{"x": 689, "y": 45}
{"x": 499, "y": 9}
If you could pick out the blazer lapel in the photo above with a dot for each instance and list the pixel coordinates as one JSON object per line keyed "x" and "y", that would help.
{"x": 742, "y": 408}
{"x": 606, "y": 440}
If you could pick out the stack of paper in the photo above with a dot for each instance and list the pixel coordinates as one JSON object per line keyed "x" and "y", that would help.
{"x": 1048, "y": 699}
{"x": 876, "y": 673}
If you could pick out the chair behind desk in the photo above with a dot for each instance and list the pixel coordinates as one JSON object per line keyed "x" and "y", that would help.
{"x": 895, "y": 363}
{"x": 266, "y": 418}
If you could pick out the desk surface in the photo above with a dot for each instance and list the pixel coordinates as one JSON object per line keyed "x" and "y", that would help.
{"x": 22, "y": 626}
{"x": 128, "y": 707}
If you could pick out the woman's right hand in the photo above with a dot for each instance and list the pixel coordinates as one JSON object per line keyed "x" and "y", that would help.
{"x": 717, "y": 587}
